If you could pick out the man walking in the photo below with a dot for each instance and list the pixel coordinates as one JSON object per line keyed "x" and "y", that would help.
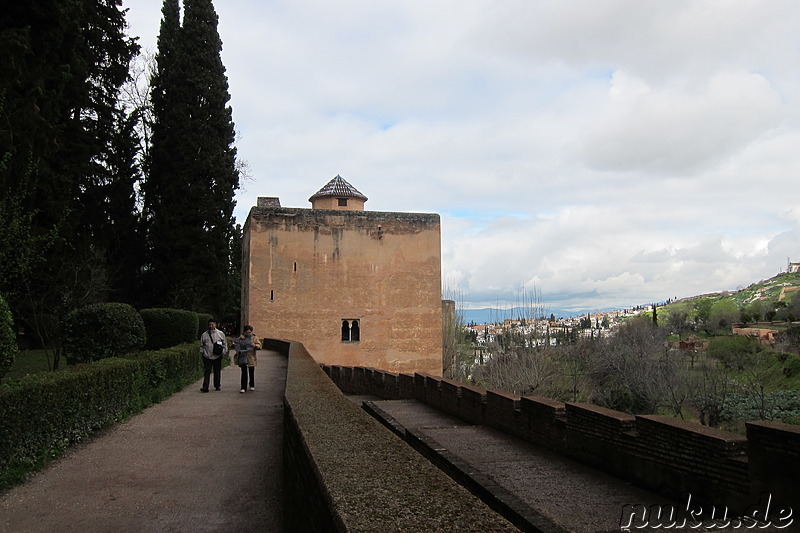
{"x": 212, "y": 348}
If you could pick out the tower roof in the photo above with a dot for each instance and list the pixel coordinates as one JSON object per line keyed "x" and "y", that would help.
{"x": 338, "y": 187}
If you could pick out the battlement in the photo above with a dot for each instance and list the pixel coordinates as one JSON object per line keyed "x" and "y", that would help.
{"x": 665, "y": 455}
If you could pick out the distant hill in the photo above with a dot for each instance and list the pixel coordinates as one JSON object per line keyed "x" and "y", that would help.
{"x": 769, "y": 290}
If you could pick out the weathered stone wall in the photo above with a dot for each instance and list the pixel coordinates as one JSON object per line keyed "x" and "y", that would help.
{"x": 668, "y": 456}
{"x": 331, "y": 202}
{"x": 344, "y": 471}
{"x": 306, "y": 270}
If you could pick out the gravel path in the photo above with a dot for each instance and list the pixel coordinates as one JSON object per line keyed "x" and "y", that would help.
{"x": 195, "y": 462}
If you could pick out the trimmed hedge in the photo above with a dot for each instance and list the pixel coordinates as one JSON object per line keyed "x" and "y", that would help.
{"x": 202, "y": 323}
{"x": 102, "y": 330}
{"x": 169, "y": 327}
{"x": 8, "y": 342}
{"x": 43, "y": 414}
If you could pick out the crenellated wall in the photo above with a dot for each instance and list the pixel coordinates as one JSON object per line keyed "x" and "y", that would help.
{"x": 666, "y": 455}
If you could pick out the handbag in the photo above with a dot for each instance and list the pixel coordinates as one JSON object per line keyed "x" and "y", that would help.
{"x": 218, "y": 348}
{"x": 242, "y": 351}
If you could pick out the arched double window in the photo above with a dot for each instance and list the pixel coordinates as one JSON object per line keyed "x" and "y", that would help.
{"x": 351, "y": 330}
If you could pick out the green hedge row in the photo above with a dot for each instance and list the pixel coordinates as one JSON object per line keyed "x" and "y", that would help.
{"x": 8, "y": 341}
{"x": 169, "y": 327}
{"x": 202, "y": 323}
{"x": 45, "y": 413}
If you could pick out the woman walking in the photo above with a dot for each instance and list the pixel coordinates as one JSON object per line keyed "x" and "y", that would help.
{"x": 246, "y": 346}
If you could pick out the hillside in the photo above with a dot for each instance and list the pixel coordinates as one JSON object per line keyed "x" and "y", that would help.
{"x": 776, "y": 299}
{"x": 766, "y": 290}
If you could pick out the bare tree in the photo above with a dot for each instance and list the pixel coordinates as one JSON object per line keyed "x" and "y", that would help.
{"x": 457, "y": 353}
{"x": 631, "y": 367}
{"x": 520, "y": 358}
{"x": 709, "y": 391}
{"x": 576, "y": 361}
{"x": 678, "y": 320}
{"x": 759, "y": 379}
{"x": 675, "y": 384}
{"x": 69, "y": 285}
{"x": 135, "y": 97}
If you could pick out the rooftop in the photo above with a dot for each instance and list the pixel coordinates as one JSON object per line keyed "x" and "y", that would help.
{"x": 338, "y": 187}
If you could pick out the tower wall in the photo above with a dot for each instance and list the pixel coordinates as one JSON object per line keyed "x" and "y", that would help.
{"x": 307, "y": 270}
{"x": 330, "y": 202}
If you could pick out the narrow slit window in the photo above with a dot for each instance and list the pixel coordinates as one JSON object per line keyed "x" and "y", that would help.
{"x": 295, "y": 266}
{"x": 272, "y": 296}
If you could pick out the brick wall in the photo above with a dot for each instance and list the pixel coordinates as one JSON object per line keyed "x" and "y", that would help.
{"x": 663, "y": 454}
{"x": 774, "y": 460}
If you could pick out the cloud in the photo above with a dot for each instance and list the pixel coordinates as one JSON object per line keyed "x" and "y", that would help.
{"x": 680, "y": 131}
{"x": 610, "y": 153}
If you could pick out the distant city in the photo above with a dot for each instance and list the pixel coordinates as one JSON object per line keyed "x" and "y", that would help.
{"x": 490, "y": 315}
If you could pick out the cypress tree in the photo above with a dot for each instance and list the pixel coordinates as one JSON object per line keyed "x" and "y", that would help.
{"x": 192, "y": 175}
{"x": 61, "y": 69}
{"x": 60, "y": 72}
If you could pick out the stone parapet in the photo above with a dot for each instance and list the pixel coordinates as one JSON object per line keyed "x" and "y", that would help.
{"x": 344, "y": 472}
{"x": 666, "y": 455}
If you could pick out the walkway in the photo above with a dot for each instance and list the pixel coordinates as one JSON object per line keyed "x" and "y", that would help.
{"x": 195, "y": 462}
{"x": 212, "y": 462}
{"x": 541, "y": 491}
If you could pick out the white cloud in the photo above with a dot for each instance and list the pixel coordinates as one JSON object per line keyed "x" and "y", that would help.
{"x": 611, "y": 153}
{"x": 680, "y": 130}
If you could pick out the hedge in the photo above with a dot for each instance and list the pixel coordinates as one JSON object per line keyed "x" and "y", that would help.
{"x": 169, "y": 327}
{"x": 8, "y": 342}
{"x": 102, "y": 330}
{"x": 202, "y": 323}
{"x": 43, "y": 414}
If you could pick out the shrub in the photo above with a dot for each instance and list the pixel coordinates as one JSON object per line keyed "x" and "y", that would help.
{"x": 789, "y": 340}
{"x": 169, "y": 327}
{"x": 102, "y": 330}
{"x": 8, "y": 342}
{"x": 791, "y": 365}
{"x": 733, "y": 352}
{"x": 43, "y": 414}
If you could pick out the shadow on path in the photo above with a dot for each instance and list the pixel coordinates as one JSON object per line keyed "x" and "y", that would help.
{"x": 195, "y": 462}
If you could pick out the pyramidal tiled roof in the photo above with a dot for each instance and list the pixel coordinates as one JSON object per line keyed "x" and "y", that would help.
{"x": 338, "y": 187}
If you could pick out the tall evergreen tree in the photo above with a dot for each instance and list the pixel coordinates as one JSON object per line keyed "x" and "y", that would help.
{"x": 192, "y": 175}
{"x": 60, "y": 72}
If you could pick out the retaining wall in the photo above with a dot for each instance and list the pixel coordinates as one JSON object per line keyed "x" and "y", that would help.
{"x": 345, "y": 472}
{"x": 666, "y": 455}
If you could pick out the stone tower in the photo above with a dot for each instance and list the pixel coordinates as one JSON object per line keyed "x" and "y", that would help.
{"x": 356, "y": 287}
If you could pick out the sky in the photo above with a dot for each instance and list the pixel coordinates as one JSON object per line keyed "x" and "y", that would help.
{"x": 593, "y": 154}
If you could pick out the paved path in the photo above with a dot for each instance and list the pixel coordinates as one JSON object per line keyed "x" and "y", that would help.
{"x": 195, "y": 462}
{"x": 212, "y": 462}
